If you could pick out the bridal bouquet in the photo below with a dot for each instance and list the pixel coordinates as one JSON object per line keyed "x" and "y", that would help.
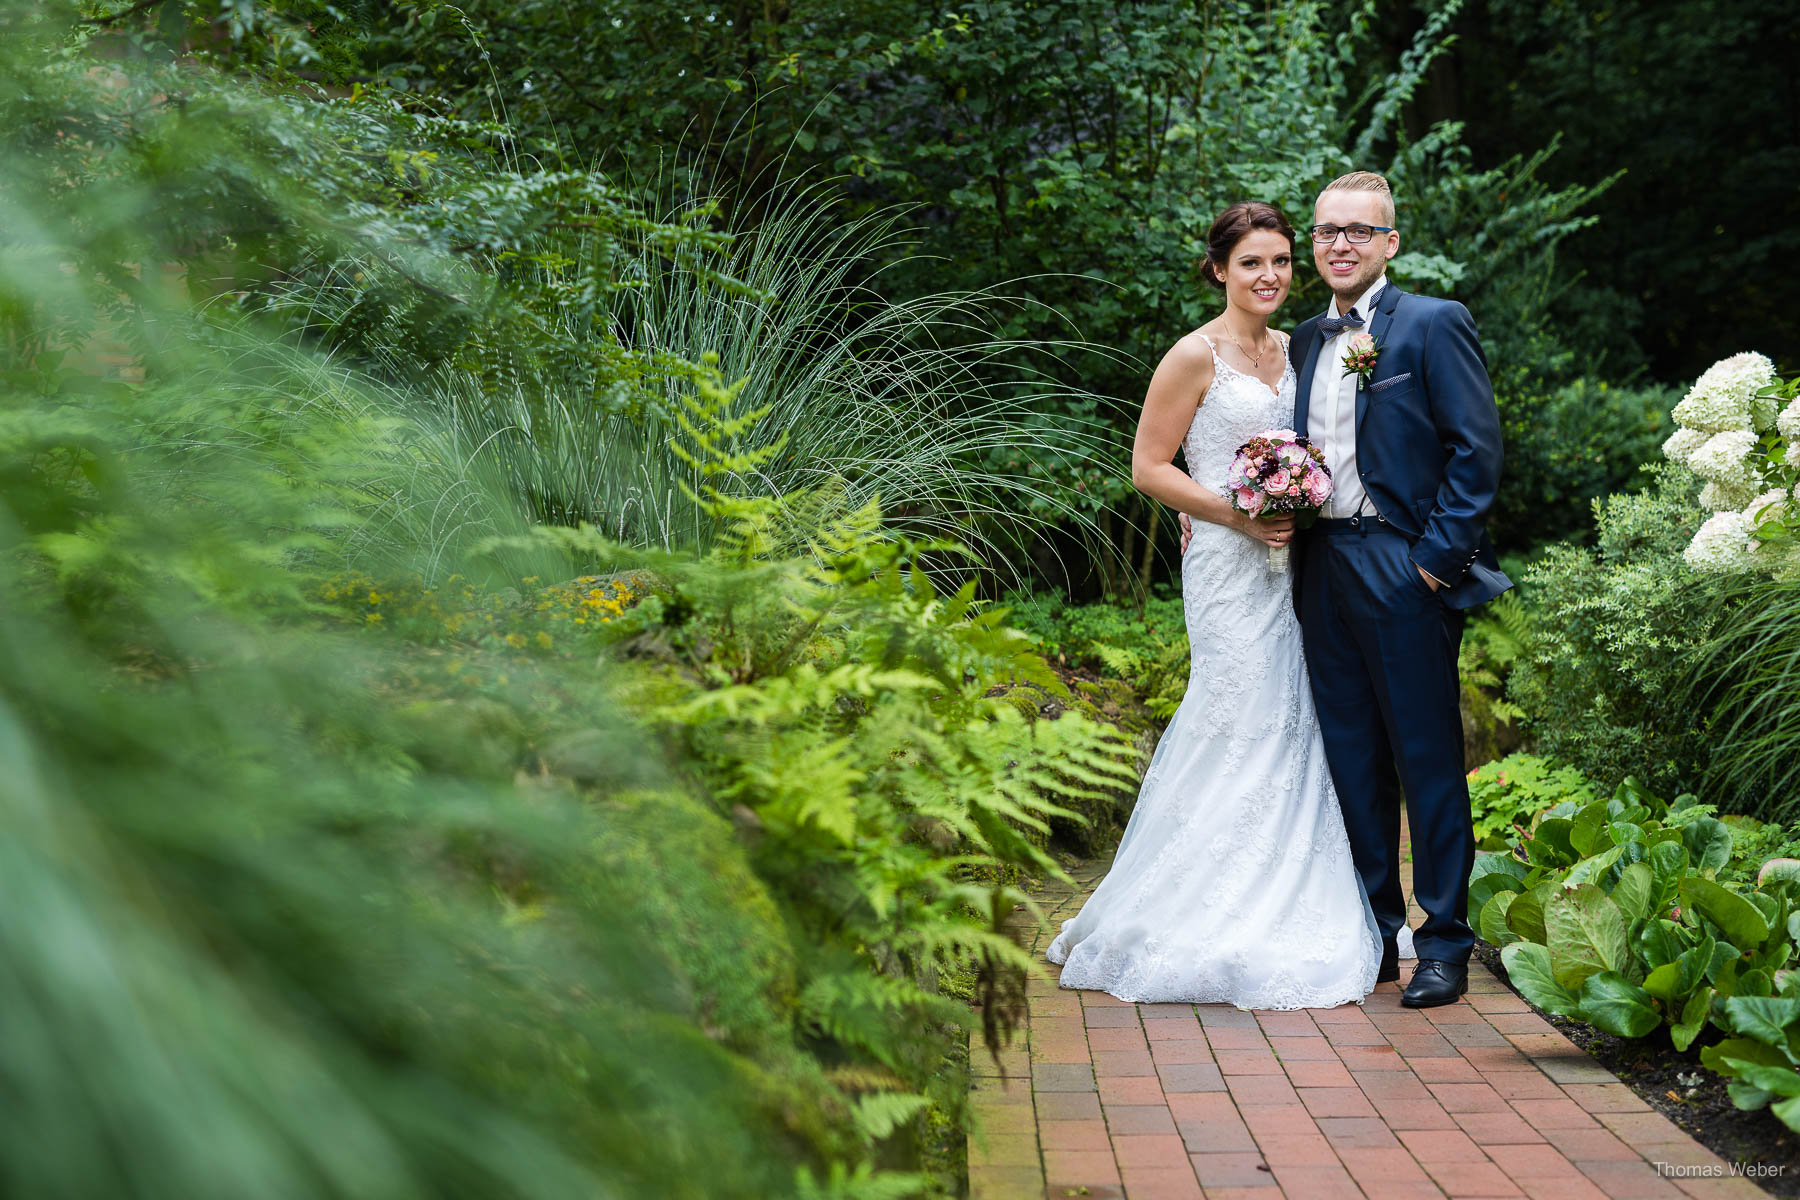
{"x": 1279, "y": 473}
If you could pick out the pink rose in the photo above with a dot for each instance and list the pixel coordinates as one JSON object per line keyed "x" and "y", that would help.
{"x": 1277, "y": 482}
{"x": 1246, "y": 496}
{"x": 1361, "y": 342}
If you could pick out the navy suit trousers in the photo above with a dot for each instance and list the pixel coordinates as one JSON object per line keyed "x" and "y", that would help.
{"x": 1381, "y": 651}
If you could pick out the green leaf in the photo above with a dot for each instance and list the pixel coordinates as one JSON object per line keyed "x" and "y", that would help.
{"x": 1747, "y": 1096}
{"x": 1708, "y": 843}
{"x": 1741, "y": 1050}
{"x": 1554, "y": 832}
{"x": 1585, "y": 934}
{"x": 1483, "y": 888}
{"x": 1660, "y": 942}
{"x": 1789, "y": 1112}
{"x": 1752, "y": 983}
{"x": 1632, "y": 892}
{"x": 1778, "y": 870}
{"x": 1526, "y": 916}
{"x": 1624, "y": 831}
{"x": 1585, "y": 831}
{"x": 1765, "y": 1018}
{"x": 1735, "y": 916}
{"x": 1669, "y": 860}
{"x": 1589, "y": 869}
{"x": 1528, "y": 967}
{"x": 1693, "y": 1019}
{"x": 1664, "y": 982}
{"x": 1489, "y": 863}
{"x": 1492, "y": 926}
{"x": 1613, "y": 1003}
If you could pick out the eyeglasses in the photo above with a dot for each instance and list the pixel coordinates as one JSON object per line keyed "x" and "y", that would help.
{"x": 1358, "y": 234}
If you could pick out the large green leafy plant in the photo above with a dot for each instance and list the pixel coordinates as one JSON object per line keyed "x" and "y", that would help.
{"x": 1613, "y": 911}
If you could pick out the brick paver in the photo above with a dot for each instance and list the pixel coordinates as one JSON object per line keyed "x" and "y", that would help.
{"x": 1107, "y": 1100}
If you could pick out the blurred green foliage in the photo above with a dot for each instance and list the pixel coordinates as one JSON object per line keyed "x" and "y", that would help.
{"x": 366, "y": 837}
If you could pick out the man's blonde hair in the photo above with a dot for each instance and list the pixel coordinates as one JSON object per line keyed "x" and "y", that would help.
{"x": 1365, "y": 181}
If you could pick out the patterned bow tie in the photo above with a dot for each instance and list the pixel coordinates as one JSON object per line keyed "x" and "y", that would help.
{"x": 1332, "y": 326}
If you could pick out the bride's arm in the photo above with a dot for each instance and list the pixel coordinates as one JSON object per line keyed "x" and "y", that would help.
{"x": 1181, "y": 378}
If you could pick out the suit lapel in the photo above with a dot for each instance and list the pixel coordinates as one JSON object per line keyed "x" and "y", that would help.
{"x": 1307, "y": 336}
{"x": 1385, "y": 303}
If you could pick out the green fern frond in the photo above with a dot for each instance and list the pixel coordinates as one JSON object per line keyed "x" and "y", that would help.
{"x": 877, "y": 1115}
{"x": 863, "y": 1183}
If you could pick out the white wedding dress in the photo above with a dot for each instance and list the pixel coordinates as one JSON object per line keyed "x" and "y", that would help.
{"x": 1234, "y": 880}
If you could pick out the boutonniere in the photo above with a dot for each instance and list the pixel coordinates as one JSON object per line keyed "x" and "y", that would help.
{"x": 1359, "y": 359}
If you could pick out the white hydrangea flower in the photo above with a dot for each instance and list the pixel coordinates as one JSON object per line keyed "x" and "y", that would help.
{"x": 1683, "y": 442}
{"x": 1721, "y": 398}
{"x": 1727, "y": 497}
{"x": 1788, "y": 423}
{"x": 1722, "y": 544}
{"x": 1778, "y": 498}
{"x": 1725, "y": 457}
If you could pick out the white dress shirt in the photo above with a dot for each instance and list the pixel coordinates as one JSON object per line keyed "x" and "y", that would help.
{"x": 1331, "y": 416}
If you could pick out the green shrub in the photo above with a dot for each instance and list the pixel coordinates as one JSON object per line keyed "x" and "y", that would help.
{"x": 1514, "y": 789}
{"x": 1567, "y": 448}
{"x": 1612, "y": 630}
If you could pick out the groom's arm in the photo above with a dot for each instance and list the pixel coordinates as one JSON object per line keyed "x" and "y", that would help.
{"x": 1468, "y": 426}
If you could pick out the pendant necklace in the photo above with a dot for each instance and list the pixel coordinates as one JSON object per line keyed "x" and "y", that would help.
{"x": 1255, "y": 360}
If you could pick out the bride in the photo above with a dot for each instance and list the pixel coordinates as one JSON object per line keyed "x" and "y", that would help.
{"x": 1234, "y": 880}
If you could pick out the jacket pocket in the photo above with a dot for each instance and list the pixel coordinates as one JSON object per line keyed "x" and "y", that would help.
{"x": 1383, "y": 384}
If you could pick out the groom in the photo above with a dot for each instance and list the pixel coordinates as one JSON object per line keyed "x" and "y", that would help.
{"x": 1383, "y": 580}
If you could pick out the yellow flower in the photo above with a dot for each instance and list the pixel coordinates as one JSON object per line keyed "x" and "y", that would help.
{"x": 374, "y": 597}
{"x": 515, "y": 640}
{"x": 374, "y": 618}
{"x": 543, "y": 640}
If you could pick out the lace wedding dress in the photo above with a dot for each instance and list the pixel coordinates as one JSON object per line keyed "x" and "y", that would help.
{"x": 1234, "y": 880}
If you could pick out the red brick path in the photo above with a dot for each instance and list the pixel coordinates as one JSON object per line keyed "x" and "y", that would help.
{"x": 1482, "y": 1098}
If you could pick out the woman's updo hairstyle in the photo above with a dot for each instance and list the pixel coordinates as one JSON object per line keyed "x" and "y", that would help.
{"x": 1231, "y": 227}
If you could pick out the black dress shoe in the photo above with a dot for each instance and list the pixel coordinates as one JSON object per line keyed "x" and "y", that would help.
{"x": 1390, "y": 964}
{"x": 1435, "y": 982}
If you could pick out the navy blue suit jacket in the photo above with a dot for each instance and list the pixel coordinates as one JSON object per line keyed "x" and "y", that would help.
{"x": 1427, "y": 436}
